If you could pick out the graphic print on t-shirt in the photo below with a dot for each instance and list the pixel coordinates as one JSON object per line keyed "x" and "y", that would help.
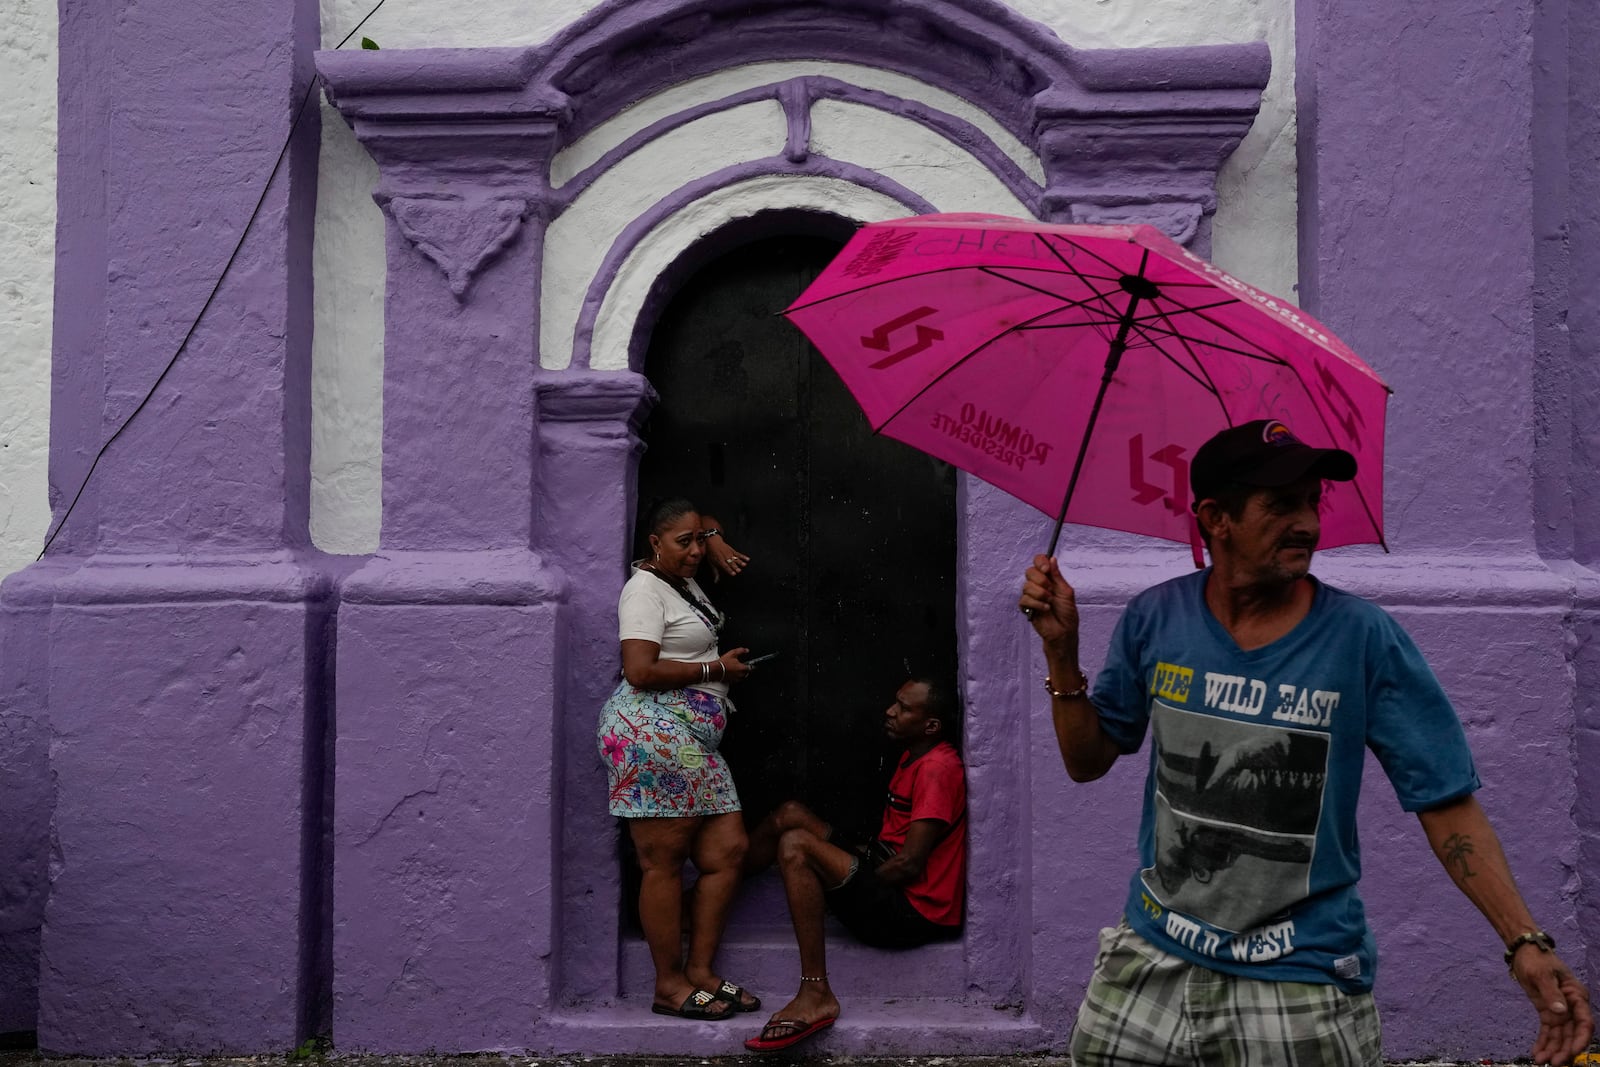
{"x": 1236, "y": 812}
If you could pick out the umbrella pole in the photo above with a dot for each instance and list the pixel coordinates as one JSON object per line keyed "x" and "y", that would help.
{"x": 1136, "y": 286}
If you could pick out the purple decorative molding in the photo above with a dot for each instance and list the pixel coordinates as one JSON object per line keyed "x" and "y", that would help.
{"x": 797, "y": 95}
{"x": 458, "y": 234}
{"x": 438, "y": 124}
{"x": 642, "y": 226}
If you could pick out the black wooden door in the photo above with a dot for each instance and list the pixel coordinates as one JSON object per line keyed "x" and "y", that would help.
{"x": 852, "y": 536}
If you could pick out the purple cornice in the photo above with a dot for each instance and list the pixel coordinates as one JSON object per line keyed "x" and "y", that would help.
{"x": 626, "y": 50}
{"x": 613, "y": 403}
{"x": 419, "y": 84}
{"x": 1103, "y": 70}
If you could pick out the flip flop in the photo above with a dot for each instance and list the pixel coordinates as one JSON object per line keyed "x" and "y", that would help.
{"x": 793, "y": 1032}
{"x": 734, "y": 995}
{"x": 696, "y": 1005}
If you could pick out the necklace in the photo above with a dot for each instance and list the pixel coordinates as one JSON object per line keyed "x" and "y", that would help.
{"x": 707, "y": 614}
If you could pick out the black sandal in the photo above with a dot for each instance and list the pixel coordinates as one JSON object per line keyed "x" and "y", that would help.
{"x": 734, "y": 995}
{"x": 696, "y": 1005}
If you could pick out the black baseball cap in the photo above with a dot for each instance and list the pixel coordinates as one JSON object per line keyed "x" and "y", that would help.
{"x": 1263, "y": 453}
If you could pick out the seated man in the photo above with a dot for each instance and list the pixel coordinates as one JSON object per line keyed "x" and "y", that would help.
{"x": 903, "y": 889}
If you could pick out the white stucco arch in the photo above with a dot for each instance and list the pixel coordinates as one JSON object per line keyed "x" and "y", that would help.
{"x": 624, "y": 300}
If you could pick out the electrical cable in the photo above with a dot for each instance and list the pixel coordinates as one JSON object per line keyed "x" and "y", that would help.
{"x": 294, "y": 127}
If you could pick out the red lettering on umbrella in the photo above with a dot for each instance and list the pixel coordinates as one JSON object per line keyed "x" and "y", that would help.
{"x": 878, "y": 339}
{"x": 1341, "y": 405}
{"x": 1146, "y": 493}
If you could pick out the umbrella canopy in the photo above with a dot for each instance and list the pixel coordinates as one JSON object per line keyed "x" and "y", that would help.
{"x": 1079, "y": 367}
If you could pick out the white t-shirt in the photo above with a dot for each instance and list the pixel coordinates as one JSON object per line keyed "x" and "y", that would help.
{"x": 651, "y": 610}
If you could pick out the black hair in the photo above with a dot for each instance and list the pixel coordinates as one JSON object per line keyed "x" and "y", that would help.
{"x": 663, "y": 513}
{"x": 944, "y": 704}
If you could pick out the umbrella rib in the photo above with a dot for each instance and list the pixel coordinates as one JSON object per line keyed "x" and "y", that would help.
{"x": 1096, "y": 255}
{"x": 1184, "y": 309}
{"x": 880, "y": 284}
{"x": 1223, "y": 327}
{"x": 1263, "y": 357}
{"x": 1083, "y": 277}
{"x": 1203, "y": 382}
{"x": 942, "y": 375}
{"x": 1067, "y": 302}
{"x": 1209, "y": 385}
{"x": 1146, "y": 329}
{"x": 1323, "y": 418}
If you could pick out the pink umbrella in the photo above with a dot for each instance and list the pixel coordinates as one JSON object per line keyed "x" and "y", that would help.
{"x": 1079, "y": 367}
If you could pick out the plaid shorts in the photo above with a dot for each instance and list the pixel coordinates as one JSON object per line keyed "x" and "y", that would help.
{"x": 1145, "y": 1006}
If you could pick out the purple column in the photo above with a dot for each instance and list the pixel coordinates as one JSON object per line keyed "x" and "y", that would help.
{"x": 450, "y": 654}
{"x": 1567, "y": 130}
{"x": 181, "y": 675}
{"x": 589, "y": 450}
{"x": 1433, "y": 160}
{"x": 75, "y": 417}
{"x": 25, "y": 793}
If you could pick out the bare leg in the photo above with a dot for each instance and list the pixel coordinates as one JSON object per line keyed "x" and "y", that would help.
{"x": 790, "y": 815}
{"x": 809, "y": 865}
{"x": 663, "y": 846}
{"x": 718, "y": 850}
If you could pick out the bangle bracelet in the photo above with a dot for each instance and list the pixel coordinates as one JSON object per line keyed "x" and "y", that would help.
{"x": 1070, "y": 694}
{"x": 1545, "y": 942}
{"x": 706, "y": 535}
{"x": 724, "y": 672}
{"x": 705, "y": 671}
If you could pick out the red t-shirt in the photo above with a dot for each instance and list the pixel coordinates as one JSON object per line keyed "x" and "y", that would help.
{"x": 932, "y": 787}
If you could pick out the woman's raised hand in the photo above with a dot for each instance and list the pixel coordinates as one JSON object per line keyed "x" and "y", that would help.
{"x": 725, "y": 559}
{"x": 734, "y": 668}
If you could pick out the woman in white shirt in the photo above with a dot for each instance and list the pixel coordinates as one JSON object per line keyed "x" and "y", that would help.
{"x": 658, "y": 737}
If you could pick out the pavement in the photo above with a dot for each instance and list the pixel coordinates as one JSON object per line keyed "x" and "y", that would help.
{"x": 30, "y": 1058}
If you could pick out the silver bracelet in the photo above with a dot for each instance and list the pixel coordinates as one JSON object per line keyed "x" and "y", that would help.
{"x": 705, "y": 671}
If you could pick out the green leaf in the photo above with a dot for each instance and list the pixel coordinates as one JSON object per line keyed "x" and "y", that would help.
{"x": 368, "y": 42}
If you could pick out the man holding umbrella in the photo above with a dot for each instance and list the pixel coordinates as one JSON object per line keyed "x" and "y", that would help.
{"x": 1243, "y": 938}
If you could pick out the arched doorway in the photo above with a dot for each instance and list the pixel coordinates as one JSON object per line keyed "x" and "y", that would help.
{"x": 853, "y": 536}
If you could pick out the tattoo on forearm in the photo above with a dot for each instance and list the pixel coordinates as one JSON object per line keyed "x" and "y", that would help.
{"x": 1455, "y": 850}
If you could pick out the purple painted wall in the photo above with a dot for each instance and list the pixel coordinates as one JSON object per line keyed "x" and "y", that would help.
{"x": 1439, "y": 235}
{"x": 228, "y": 864}
{"x": 1570, "y": 84}
{"x": 170, "y": 654}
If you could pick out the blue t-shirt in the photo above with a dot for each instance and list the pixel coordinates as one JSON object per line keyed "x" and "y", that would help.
{"x": 1247, "y": 847}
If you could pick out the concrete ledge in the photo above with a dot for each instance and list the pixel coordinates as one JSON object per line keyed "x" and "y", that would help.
{"x": 867, "y": 1027}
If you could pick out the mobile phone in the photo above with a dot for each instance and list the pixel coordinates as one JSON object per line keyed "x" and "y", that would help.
{"x": 760, "y": 659}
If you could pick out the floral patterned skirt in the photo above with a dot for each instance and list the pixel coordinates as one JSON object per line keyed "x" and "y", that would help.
{"x": 660, "y": 753}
